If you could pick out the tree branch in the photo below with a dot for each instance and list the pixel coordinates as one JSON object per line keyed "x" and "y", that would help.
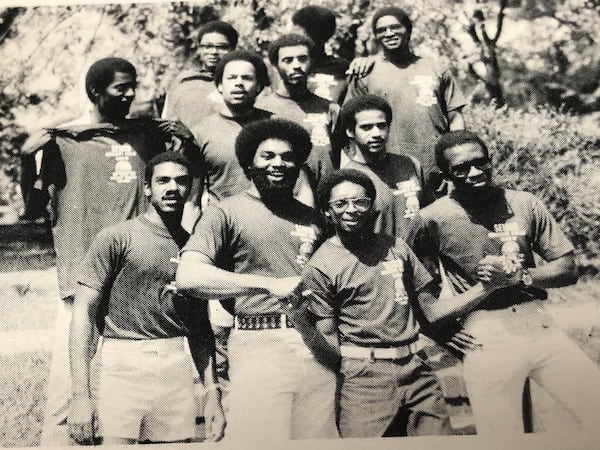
{"x": 500, "y": 20}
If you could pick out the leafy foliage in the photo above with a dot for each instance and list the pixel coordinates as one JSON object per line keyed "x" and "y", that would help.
{"x": 552, "y": 156}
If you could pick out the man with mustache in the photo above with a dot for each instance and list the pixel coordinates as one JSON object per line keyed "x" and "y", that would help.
{"x": 398, "y": 179}
{"x": 425, "y": 99}
{"x": 93, "y": 175}
{"x": 252, "y": 246}
{"x": 485, "y": 236}
{"x": 291, "y": 55}
{"x": 146, "y": 381}
{"x": 193, "y": 95}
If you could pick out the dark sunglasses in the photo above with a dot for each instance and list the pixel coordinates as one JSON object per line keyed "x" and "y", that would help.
{"x": 462, "y": 170}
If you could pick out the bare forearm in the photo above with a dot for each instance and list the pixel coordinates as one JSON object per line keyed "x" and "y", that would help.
{"x": 456, "y": 120}
{"x": 554, "y": 274}
{"x": 201, "y": 280}
{"x": 454, "y": 306}
{"x": 82, "y": 339}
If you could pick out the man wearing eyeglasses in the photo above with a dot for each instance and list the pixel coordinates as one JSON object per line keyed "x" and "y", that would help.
{"x": 485, "y": 237}
{"x": 193, "y": 95}
{"x": 398, "y": 179}
{"x": 363, "y": 286}
{"x": 425, "y": 98}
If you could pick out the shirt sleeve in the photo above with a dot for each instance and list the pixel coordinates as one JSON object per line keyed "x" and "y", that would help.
{"x": 52, "y": 170}
{"x": 549, "y": 241}
{"x": 321, "y": 302}
{"x": 420, "y": 275}
{"x": 101, "y": 261}
{"x": 453, "y": 95}
{"x": 211, "y": 237}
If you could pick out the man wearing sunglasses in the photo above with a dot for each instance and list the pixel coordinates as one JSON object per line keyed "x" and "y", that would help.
{"x": 398, "y": 179}
{"x": 485, "y": 237}
{"x": 363, "y": 286}
{"x": 425, "y": 99}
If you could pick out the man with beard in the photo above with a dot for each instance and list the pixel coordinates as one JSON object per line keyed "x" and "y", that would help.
{"x": 398, "y": 179}
{"x": 146, "y": 381}
{"x": 93, "y": 175}
{"x": 425, "y": 98}
{"x": 364, "y": 288}
{"x": 252, "y": 246}
{"x": 291, "y": 56}
{"x": 193, "y": 96}
{"x": 485, "y": 237}
{"x": 327, "y": 77}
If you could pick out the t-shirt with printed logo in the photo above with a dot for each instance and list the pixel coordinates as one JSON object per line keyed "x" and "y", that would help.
{"x": 99, "y": 173}
{"x": 241, "y": 234}
{"x": 421, "y": 95}
{"x": 370, "y": 291}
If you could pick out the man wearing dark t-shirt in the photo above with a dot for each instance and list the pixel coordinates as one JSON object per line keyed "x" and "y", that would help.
{"x": 398, "y": 179}
{"x": 292, "y": 100}
{"x": 485, "y": 237}
{"x": 364, "y": 286}
{"x": 146, "y": 382}
{"x": 193, "y": 95}
{"x": 253, "y": 246}
{"x": 425, "y": 98}
{"x": 93, "y": 175}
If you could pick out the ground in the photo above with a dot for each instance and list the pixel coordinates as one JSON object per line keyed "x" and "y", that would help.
{"x": 28, "y": 300}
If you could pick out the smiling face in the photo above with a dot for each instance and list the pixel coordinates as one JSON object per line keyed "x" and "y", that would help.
{"x": 274, "y": 166}
{"x": 293, "y": 64}
{"x": 349, "y": 207}
{"x": 114, "y": 102}
{"x": 371, "y": 131}
{"x": 469, "y": 168}
{"x": 239, "y": 86}
{"x": 169, "y": 187}
{"x": 391, "y": 34}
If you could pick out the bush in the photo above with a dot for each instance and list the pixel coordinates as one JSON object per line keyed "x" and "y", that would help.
{"x": 553, "y": 156}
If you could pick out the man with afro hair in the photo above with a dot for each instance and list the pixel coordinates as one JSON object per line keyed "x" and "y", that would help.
{"x": 253, "y": 246}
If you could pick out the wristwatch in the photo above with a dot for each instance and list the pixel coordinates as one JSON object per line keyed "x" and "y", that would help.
{"x": 526, "y": 278}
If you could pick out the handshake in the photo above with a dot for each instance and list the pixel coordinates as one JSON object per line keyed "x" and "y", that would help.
{"x": 499, "y": 271}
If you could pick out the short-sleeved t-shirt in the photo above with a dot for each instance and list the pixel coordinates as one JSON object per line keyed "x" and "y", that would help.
{"x": 99, "y": 173}
{"x": 421, "y": 95}
{"x": 216, "y": 136}
{"x": 515, "y": 227}
{"x": 240, "y": 234}
{"x": 370, "y": 291}
{"x": 131, "y": 264}
{"x": 327, "y": 77}
{"x": 315, "y": 115}
{"x": 398, "y": 181}
{"x": 192, "y": 97}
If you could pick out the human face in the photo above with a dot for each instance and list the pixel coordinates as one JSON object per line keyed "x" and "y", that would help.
{"x": 349, "y": 207}
{"x": 212, "y": 47}
{"x": 274, "y": 165}
{"x": 169, "y": 187}
{"x": 114, "y": 102}
{"x": 370, "y": 132}
{"x": 391, "y": 34}
{"x": 469, "y": 168}
{"x": 293, "y": 64}
{"x": 239, "y": 86}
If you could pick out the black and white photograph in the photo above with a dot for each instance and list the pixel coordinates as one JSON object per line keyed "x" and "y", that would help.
{"x": 273, "y": 224}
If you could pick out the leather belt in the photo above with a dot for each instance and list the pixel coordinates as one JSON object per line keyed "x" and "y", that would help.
{"x": 374, "y": 353}
{"x": 263, "y": 322}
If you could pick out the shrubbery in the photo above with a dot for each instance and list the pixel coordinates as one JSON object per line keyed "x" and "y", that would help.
{"x": 553, "y": 156}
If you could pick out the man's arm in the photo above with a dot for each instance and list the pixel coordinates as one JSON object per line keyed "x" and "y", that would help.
{"x": 203, "y": 355}
{"x": 557, "y": 273}
{"x": 491, "y": 275}
{"x": 81, "y": 350}
{"x": 198, "y": 277}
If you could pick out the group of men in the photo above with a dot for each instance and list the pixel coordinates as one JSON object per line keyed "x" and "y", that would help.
{"x": 322, "y": 262}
